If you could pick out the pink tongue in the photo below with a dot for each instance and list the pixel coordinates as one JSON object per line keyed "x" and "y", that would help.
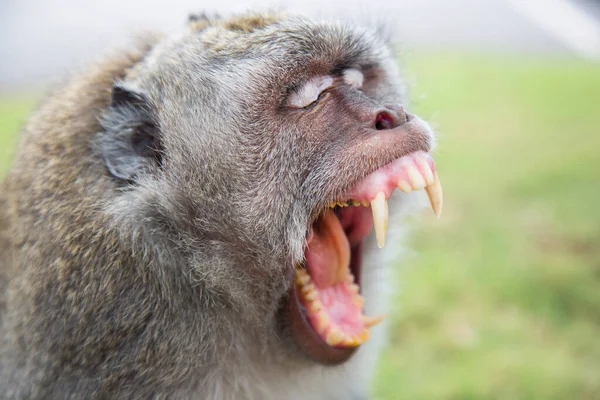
{"x": 328, "y": 252}
{"x": 328, "y": 263}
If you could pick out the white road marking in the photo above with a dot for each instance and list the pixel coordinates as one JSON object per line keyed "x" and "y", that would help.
{"x": 566, "y": 22}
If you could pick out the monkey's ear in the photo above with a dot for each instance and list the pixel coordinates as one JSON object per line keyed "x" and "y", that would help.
{"x": 130, "y": 142}
{"x": 128, "y": 97}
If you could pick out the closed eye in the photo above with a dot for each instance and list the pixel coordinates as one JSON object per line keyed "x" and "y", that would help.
{"x": 309, "y": 93}
{"x": 354, "y": 78}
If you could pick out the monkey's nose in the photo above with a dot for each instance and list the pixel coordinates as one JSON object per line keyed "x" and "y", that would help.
{"x": 392, "y": 117}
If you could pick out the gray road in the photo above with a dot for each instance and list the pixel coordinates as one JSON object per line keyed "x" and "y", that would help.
{"x": 43, "y": 39}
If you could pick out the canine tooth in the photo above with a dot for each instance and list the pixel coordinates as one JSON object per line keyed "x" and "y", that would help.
{"x": 334, "y": 336}
{"x": 379, "y": 208}
{"x": 416, "y": 178}
{"x": 353, "y": 288}
{"x": 404, "y": 186}
{"x": 372, "y": 321}
{"x": 436, "y": 196}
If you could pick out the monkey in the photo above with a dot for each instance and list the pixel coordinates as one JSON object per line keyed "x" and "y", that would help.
{"x": 200, "y": 216}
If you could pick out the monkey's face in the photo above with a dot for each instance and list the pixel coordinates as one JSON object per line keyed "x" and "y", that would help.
{"x": 277, "y": 148}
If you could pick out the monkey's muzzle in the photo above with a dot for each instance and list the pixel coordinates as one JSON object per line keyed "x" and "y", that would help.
{"x": 330, "y": 321}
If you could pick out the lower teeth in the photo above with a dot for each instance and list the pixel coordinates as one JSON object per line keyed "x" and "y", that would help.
{"x": 328, "y": 331}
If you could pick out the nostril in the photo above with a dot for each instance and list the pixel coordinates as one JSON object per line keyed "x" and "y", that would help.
{"x": 384, "y": 121}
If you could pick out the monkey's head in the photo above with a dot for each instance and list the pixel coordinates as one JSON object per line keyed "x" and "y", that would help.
{"x": 263, "y": 150}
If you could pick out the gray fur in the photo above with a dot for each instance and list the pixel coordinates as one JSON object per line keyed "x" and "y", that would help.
{"x": 128, "y": 278}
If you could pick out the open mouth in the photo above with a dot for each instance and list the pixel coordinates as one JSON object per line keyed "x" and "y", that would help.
{"x": 326, "y": 306}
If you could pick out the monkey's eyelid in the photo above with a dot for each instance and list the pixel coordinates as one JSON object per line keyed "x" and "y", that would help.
{"x": 354, "y": 77}
{"x": 310, "y": 91}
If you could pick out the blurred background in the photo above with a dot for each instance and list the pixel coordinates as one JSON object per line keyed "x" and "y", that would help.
{"x": 502, "y": 297}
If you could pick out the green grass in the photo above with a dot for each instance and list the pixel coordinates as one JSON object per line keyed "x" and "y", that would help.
{"x": 13, "y": 113}
{"x": 502, "y": 300}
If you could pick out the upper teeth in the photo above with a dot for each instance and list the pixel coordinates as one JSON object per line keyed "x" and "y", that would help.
{"x": 348, "y": 203}
{"x": 415, "y": 173}
{"x": 419, "y": 174}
